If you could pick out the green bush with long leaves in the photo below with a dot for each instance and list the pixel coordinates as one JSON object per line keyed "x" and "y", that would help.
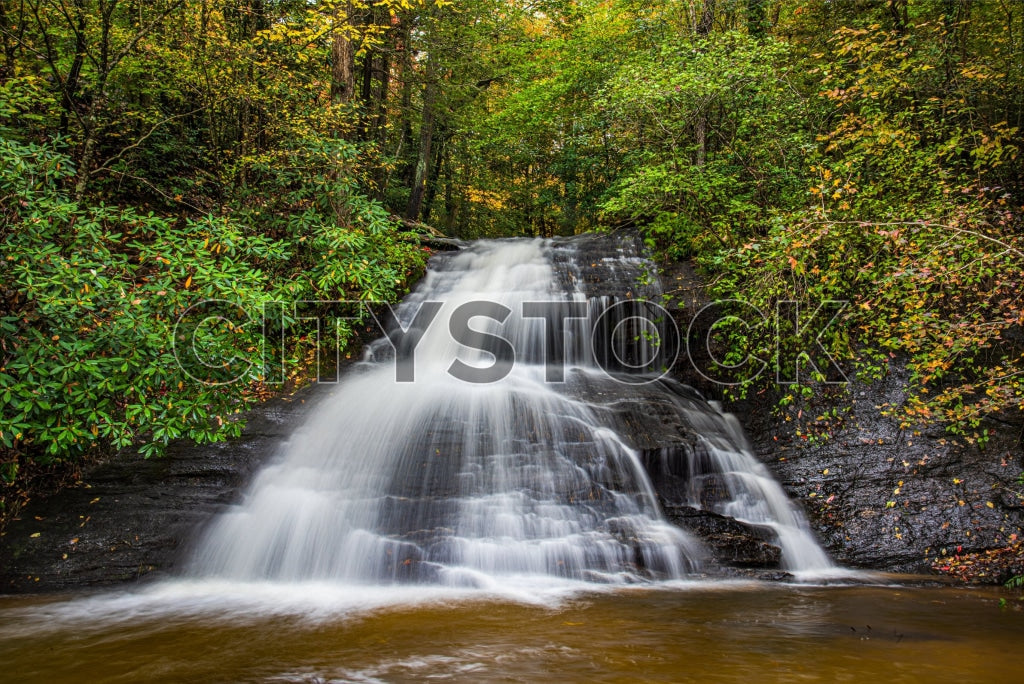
{"x": 91, "y": 296}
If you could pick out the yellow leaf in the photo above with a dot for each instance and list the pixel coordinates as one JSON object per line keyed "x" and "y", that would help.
{"x": 35, "y": 534}
{"x": 188, "y": 282}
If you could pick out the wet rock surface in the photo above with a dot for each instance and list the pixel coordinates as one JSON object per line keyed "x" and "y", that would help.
{"x": 730, "y": 541}
{"x": 890, "y": 498}
{"x": 878, "y": 495}
{"x": 130, "y": 518}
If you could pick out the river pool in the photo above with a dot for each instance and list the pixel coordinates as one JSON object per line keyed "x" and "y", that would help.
{"x": 684, "y": 631}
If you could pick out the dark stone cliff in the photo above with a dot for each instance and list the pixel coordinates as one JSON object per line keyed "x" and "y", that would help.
{"x": 130, "y": 518}
{"x": 878, "y": 496}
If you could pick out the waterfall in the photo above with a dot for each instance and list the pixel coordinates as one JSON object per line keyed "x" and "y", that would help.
{"x": 511, "y": 473}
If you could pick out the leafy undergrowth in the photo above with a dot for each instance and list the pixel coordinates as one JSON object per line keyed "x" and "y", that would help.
{"x": 124, "y": 329}
{"x": 993, "y": 566}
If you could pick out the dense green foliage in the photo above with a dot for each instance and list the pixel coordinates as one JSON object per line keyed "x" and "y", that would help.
{"x": 864, "y": 151}
{"x": 95, "y": 293}
{"x": 156, "y": 154}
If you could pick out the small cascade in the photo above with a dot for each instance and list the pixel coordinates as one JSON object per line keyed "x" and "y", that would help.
{"x": 483, "y": 446}
{"x": 724, "y": 463}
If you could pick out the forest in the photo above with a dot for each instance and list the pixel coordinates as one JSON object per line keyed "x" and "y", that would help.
{"x": 158, "y": 154}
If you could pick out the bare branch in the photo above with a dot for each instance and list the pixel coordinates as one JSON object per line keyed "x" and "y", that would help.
{"x": 141, "y": 140}
{"x": 160, "y": 192}
{"x": 922, "y": 224}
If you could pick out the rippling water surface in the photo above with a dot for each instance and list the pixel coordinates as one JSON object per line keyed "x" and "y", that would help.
{"x": 699, "y": 632}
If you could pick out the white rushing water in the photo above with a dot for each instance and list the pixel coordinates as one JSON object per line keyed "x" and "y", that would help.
{"x": 469, "y": 484}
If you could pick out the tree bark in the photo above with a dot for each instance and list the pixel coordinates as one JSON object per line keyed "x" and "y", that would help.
{"x": 343, "y": 57}
{"x": 436, "y": 169}
{"x": 419, "y": 182}
{"x": 91, "y": 133}
{"x": 9, "y": 36}
{"x": 406, "y": 76}
{"x": 707, "y": 20}
{"x": 898, "y": 12}
{"x": 756, "y": 18}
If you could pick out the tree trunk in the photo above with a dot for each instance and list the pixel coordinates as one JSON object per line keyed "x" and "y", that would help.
{"x": 450, "y": 207}
{"x": 756, "y": 18}
{"x": 419, "y": 182}
{"x": 10, "y": 40}
{"x": 898, "y": 12}
{"x": 707, "y": 20}
{"x": 405, "y": 138}
{"x": 383, "y": 69}
{"x": 91, "y": 132}
{"x": 68, "y": 95}
{"x": 343, "y": 57}
{"x": 435, "y": 170}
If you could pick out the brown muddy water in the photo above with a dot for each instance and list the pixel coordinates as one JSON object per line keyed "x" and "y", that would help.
{"x": 683, "y": 632}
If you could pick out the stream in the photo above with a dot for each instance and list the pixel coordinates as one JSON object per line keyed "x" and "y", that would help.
{"x": 471, "y": 503}
{"x": 699, "y": 632}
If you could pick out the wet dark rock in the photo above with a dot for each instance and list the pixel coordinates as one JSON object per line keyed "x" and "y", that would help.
{"x": 442, "y": 243}
{"x": 878, "y": 495}
{"x": 730, "y": 541}
{"x": 131, "y": 518}
{"x": 889, "y": 498}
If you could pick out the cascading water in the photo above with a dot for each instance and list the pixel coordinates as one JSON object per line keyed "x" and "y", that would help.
{"x": 510, "y": 473}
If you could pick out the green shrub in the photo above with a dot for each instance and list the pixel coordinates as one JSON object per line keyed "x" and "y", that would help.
{"x": 91, "y": 295}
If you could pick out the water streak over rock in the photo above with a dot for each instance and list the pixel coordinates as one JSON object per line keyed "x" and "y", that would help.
{"x": 539, "y": 473}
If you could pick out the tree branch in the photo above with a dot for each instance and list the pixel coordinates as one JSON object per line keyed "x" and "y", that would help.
{"x": 922, "y": 224}
{"x": 141, "y": 140}
{"x": 142, "y": 32}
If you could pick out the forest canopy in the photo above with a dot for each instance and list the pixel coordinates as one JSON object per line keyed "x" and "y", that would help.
{"x": 156, "y": 154}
